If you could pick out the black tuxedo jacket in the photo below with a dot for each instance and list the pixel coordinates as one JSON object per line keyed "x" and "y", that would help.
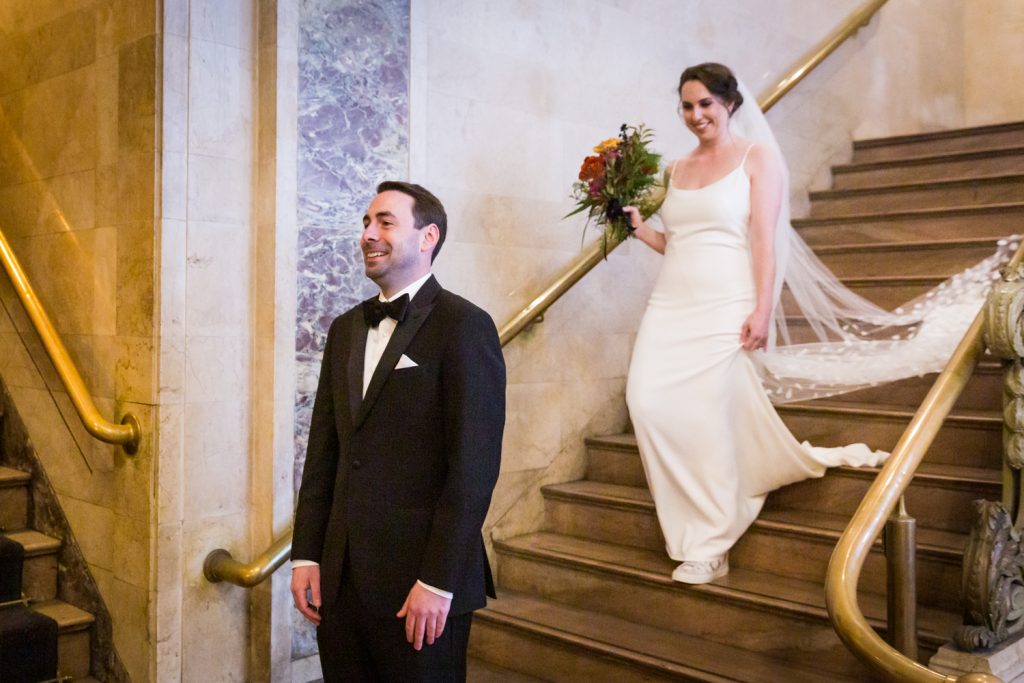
{"x": 399, "y": 482}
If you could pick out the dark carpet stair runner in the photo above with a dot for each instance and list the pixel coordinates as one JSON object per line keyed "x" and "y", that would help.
{"x": 28, "y": 640}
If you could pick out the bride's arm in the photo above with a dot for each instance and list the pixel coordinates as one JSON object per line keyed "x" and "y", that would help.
{"x": 766, "y": 188}
{"x": 643, "y": 232}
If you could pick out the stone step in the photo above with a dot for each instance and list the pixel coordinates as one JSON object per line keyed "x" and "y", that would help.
{"x": 984, "y": 390}
{"x": 796, "y": 543}
{"x": 970, "y": 438}
{"x": 906, "y": 258}
{"x": 930, "y": 144}
{"x": 919, "y": 225}
{"x": 557, "y": 642}
{"x": 73, "y": 626}
{"x": 940, "y": 495}
{"x": 39, "y": 572}
{"x": 13, "y": 498}
{"x": 482, "y": 671}
{"x": 781, "y": 616}
{"x": 886, "y": 291}
{"x": 943, "y": 166}
{"x": 909, "y": 196}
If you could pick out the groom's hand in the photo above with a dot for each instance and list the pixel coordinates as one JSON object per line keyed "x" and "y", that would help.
{"x": 306, "y": 591}
{"x": 425, "y": 614}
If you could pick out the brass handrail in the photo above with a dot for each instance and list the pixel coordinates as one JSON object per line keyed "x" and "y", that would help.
{"x": 128, "y": 434}
{"x": 854, "y": 545}
{"x": 227, "y": 569}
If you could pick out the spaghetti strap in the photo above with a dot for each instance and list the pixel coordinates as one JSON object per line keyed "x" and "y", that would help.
{"x": 743, "y": 161}
{"x": 672, "y": 173}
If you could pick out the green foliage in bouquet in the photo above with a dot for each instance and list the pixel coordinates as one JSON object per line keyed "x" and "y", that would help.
{"x": 623, "y": 171}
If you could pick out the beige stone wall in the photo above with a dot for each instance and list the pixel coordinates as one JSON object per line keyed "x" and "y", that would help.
{"x": 994, "y": 61}
{"x": 77, "y": 163}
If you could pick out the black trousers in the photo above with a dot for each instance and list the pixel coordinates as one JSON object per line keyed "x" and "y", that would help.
{"x": 359, "y": 647}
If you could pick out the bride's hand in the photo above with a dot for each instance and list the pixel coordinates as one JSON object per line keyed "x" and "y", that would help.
{"x": 754, "y": 333}
{"x": 635, "y": 219}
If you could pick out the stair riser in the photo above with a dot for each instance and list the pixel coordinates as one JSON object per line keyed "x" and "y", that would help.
{"x": 39, "y": 577}
{"x": 970, "y": 444}
{"x": 73, "y": 654}
{"x": 938, "y": 579}
{"x": 906, "y": 262}
{"x": 939, "y": 170}
{"x": 963, "y": 143}
{"x": 612, "y": 466}
{"x": 679, "y": 608}
{"x": 759, "y": 549}
{"x": 884, "y": 294}
{"x": 551, "y": 660}
{"x": 938, "y": 507}
{"x": 994, "y": 191}
{"x": 13, "y": 508}
{"x": 931, "y": 227}
{"x": 983, "y": 392}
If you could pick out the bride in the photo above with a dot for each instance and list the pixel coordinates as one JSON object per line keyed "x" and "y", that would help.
{"x": 713, "y": 349}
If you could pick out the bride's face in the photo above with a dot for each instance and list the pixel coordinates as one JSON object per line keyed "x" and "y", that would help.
{"x": 705, "y": 115}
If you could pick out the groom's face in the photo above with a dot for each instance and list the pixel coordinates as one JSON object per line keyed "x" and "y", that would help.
{"x": 395, "y": 252}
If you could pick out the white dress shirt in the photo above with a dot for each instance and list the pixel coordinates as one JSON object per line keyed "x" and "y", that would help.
{"x": 377, "y": 339}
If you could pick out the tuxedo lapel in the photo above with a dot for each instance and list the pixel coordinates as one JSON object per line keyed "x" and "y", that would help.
{"x": 419, "y": 309}
{"x": 356, "y": 360}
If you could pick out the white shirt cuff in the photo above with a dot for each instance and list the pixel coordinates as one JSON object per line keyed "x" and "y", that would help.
{"x": 436, "y": 591}
{"x": 304, "y": 563}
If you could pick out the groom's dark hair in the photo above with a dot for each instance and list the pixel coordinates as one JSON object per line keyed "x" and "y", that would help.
{"x": 426, "y": 209}
{"x": 718, "y": 79}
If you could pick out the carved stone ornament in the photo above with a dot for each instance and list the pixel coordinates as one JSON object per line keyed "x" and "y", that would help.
{"x": 1013, "y": 416}
{"x": 993, "y": 580}
{"x": 1004, "y": 315}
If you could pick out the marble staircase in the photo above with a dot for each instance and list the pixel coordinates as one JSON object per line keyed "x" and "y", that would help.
{"x": 589, "y": 596}
{"x": 42, "y": 570}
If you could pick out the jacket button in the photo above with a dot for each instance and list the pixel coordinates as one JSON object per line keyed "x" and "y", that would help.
{"x": 356, "y": 464}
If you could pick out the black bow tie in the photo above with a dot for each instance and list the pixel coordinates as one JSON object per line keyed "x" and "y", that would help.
{"x": 375, "y": 310}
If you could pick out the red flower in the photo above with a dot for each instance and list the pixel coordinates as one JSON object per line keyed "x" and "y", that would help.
{"x": 592, "y": 169}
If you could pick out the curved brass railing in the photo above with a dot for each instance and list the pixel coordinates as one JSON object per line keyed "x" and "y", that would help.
{"x": 128, "y": 434}
{"x": 885, "y": 492}
{"x": 220, "y": 566}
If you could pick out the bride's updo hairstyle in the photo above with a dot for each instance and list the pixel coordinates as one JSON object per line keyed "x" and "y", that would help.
{"x": 719, "y": 81}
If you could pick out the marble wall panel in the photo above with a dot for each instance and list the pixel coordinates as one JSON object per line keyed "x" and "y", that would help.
{"x": 353, "y": 133}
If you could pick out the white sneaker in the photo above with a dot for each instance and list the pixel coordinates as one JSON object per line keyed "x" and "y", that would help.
{"x": 702, "y": 571}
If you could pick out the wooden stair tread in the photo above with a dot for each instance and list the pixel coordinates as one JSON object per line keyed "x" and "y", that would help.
{"x": 905, "y": 245}
{"x": 839, "y": 406}
{"x": 803, "y": 522}
{"x": 68, "y": 617}
{"x": 931, "y": 213}
{"x": 34, "y": 542}
{"x": 667, "y": 651}
{"x": 770, "y": 591}
{"x": 922, "y": 159}
{"x": 937, "y": 185}
{"x": 939, "y": 135}
{"x": 12, "y": 477}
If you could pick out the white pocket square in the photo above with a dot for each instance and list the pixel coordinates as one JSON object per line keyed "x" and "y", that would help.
{"x": 406, "y": 362}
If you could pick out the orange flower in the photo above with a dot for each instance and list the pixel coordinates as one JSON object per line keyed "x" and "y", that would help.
{"x": 607, "y": 145}
{"x": 593, "y": 167}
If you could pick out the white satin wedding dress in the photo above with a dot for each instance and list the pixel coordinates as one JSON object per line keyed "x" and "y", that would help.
{"x": 711, "y": 443}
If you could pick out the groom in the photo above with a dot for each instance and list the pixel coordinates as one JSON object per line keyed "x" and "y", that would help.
{"x": 404, "y": 450}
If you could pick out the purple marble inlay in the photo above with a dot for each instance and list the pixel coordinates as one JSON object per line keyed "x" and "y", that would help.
{"x": 353, "y": 104}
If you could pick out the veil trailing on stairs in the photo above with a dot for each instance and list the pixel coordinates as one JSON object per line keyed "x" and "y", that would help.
{"x": 827, "y": 339}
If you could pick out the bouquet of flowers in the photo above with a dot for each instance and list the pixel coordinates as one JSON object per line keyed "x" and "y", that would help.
{"x": 621, "y": 172}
